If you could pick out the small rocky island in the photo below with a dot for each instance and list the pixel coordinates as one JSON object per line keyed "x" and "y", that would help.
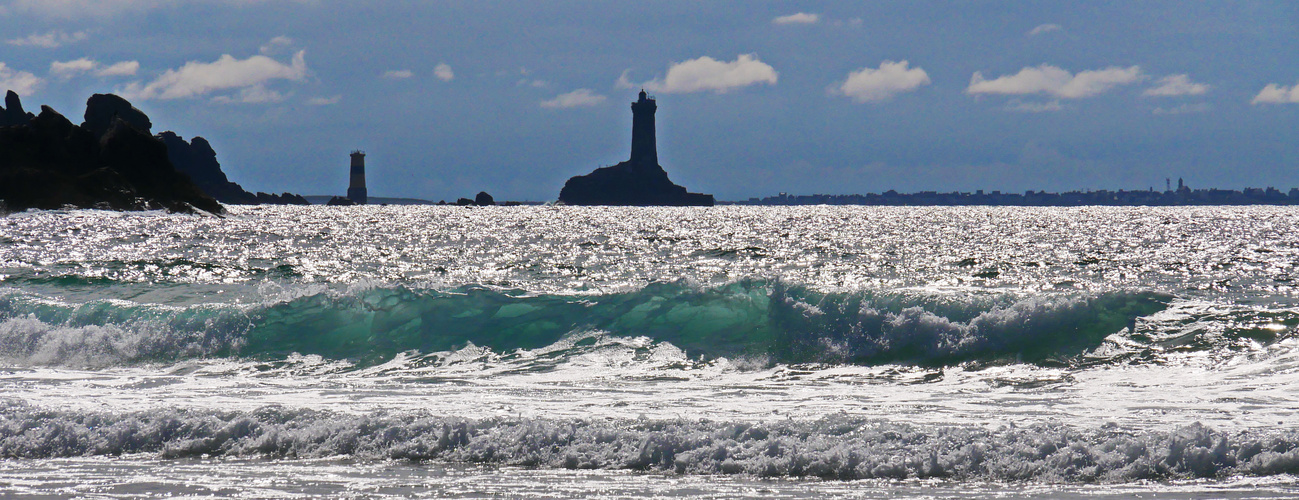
{"x": 110, "y": 161}
{"x": 639, "y": 181}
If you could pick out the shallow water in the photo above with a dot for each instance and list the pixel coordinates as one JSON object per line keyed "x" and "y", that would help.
{"x": 812, "y": 351}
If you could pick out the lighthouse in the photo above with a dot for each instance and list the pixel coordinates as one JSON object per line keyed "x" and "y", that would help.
{"x": 356, "y": 189}
{"x": 639, "y": 181}
{"x": 644, "y": 153}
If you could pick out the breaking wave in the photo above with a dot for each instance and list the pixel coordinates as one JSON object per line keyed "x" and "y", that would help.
{"x": 836, "y": 447}
{"x": 784, "y": 323}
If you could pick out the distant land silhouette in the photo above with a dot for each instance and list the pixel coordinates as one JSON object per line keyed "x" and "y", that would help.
{"x": 1183, "y": 195}
{"x": 111, "y": 161}
{"x": 638, "y": 181}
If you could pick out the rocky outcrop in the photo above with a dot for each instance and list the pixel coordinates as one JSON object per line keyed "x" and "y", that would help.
{"x": 638, "y": 181}
{"x": 280, "y": 199}
{"x": 103, "y": 109}
{"x": 13, "y": 113}
{"x": 340, "y": 201}
{"x": 110, "y": 162}
{"x": 629, "y": 183}
{"x": 198, "y": 160}
{"x": 484, "y": 200}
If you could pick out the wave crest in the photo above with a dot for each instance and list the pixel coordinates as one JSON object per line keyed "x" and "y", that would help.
{"x": 838, "y": 447}
{"x": 784, "y": 323}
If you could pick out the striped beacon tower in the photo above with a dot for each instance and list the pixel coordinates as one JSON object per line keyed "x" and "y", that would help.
{"x": 356, "y": 190}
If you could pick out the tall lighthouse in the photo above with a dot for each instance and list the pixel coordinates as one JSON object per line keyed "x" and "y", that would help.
{"x": 644, "y": 152}
{"x": 356, "y": 189}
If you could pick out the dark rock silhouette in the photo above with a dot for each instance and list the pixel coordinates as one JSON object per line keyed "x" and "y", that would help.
{"x": 281, "y": 199}
{"x": 102, "y": 109}
{"x": 464, "y": 202}
{"x": 638, "y": 181}
{"x": 47, "y": 162}
{"x": 484, "y": 200}
{"x": 340, "y": 201}
{"x": 197, "y": 159}
{"x": 12, "y": 113}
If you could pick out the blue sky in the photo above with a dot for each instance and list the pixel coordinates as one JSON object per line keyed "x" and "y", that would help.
{"x": 755, "y": 98}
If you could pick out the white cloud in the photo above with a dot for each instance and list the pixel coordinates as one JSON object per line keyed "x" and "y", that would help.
{"x": 1176, "y": 85}
{"x": 198, "y": 78}
{"x": 891, "y": 78}
{"x": 1047, "y": 79}
{"x": 22, "y": 82}
{"x": 1044, "y": 28}
{"x": 708, "y": 74}
{"x": 69, "y": 69}
{"x": 1017, "y": 106}
{"x": 1277, "y": 94}
{"x": 574, "y": 99}
{"x": 124, "y": 68}
{"x": 256, "y": 94}
{"x": 443, "y": 72}
{"x": 274, "y": 46}
{"x": 624, "y": 81}
{"x": 49, "y": 40}
{"x": 397, "y": 74}
{"x": 799, "y": 18}
{"x": 1184, "y": 109}
{"x": 324, "y": 101}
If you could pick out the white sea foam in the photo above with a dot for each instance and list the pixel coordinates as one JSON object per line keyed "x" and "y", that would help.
{"x": 832, "y": 447}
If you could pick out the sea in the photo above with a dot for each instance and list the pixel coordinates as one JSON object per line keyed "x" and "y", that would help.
{"x": 608, "y": 352}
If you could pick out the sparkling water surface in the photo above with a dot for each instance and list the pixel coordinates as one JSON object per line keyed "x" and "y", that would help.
{"x": 615, "y": 352}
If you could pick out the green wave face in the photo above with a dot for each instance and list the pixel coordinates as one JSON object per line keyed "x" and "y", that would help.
{"x": 787, "y": 323}
{"x": 783, "y": 323}
{"x": 376, "y": 324}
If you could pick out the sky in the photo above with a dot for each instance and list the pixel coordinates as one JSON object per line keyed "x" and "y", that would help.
{"x": 754, "y": 98}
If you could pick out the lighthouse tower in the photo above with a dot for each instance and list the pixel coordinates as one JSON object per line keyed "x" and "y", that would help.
{"x": 356, "y": 190}
{"x": 644, "y": 154}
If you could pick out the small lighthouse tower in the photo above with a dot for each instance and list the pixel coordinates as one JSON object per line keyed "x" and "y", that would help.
{"x": 356, "y": 189}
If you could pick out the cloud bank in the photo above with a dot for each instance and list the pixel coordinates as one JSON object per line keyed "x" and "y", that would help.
{"x": 574, "y": 99}
{"x": 879, "y": 84}
{"x": 798, "y": 18}
{"x": 22, "y": 82}
{"x": 124, "y": 68}
{"x": 53, "y": 39}
{"x": 1176, "y": 85}
{"x": 1050, "y": 80}
{"x": 226, "y": 73}
{"x": 1277, "y": 94}
{"x": 707, "y": 74}
{"x": 70, "y": 69}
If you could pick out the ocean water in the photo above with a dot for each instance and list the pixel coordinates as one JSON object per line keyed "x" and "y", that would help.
{"x": 564, "y": 352}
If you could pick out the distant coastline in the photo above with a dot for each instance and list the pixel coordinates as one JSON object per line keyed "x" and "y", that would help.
{"x": 321, "y": 199}
{"x": 1180, "y": 197}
